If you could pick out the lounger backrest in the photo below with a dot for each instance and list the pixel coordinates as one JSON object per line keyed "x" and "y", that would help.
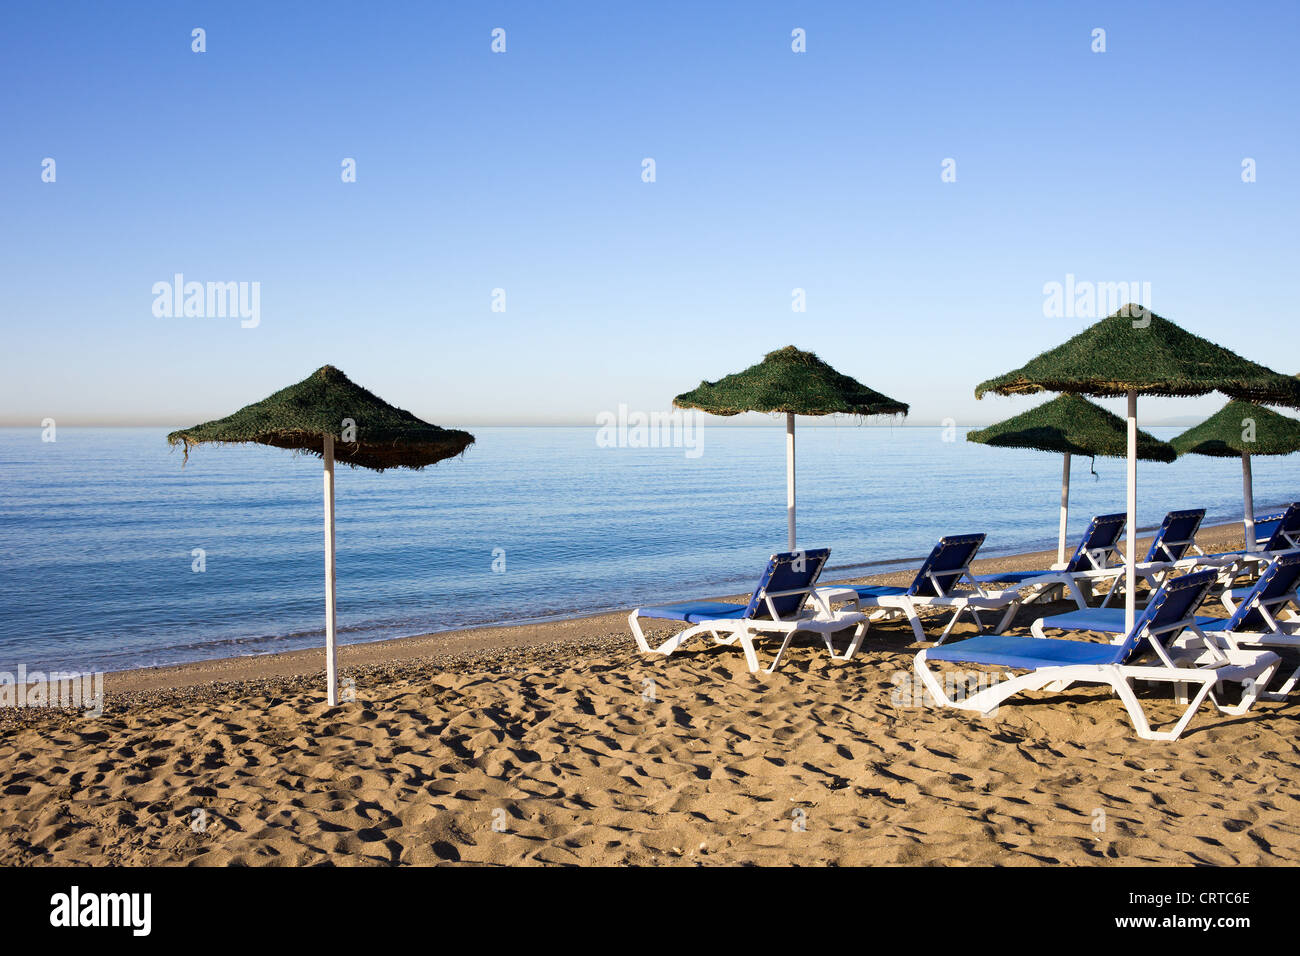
{"x": 1287, "y": 531}
{"x": 1274, "y": 589}
{"x": 1176, "y": 534}
{"x": 1265, "y": 525}
{"x": 1098, "y": 543}
{"x": 946, "y": 565}
{"x": 1176, "y": 601}
{"x": 795, "y": 571}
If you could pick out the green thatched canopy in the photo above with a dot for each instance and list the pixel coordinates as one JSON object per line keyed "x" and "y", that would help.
{"x": 791, "y": 381}
{"x": 300, "y": 416}
{"x": 1074, "y": 425}
{"x": 1226, "y": 433}
{"x": 1126, "y": 352}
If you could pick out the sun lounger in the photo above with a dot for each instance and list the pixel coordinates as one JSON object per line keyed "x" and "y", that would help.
{"x": 1285, "y": 536}
{"x": 1174, "y": 539}
{"x": 935, "y": 586}
{"x": 1267, "y": 525}
{"x": 1251, "y": 611}
{"x": 1056, "y": 664}
{"x": 1096, "y": 560}
{"x": 779, "y": 605}
{"x": 1265, "y": 615}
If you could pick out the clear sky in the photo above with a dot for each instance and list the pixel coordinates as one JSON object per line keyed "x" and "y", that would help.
{"x": 522, "y": 171}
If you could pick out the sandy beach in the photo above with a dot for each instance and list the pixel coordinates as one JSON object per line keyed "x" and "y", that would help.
{"x": 558, "y": 743}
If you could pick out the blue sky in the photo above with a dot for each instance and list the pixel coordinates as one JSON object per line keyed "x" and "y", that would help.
{"x": 522, "y": 171}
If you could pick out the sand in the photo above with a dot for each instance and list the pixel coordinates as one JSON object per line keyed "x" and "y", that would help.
{"x": 560, "y": 744}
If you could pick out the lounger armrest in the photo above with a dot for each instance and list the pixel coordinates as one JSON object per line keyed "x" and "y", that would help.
{"x": 828, "y": 594}
{"x": 1186, "y": 634}
{"x": 819, "y": 599}
{"x": 771, "y": 608}
{"x": 979, "y": 588}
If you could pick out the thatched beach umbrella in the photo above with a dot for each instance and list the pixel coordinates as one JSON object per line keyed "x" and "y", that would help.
{"x": 1070, "y": 425}
{"x": 790, "y": 382}
{"x": 1137, "y": 352}
{"x": 1242, "y": 429}
{"x": 311, "y": 416}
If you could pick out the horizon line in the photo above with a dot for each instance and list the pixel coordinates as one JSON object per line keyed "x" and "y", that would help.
{"x": 806, "y": 422}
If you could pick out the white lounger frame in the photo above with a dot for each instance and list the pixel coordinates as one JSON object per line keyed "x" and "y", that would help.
{"x": 1156, "y": 573}
{"x": 1208, "y": 669}
{"x": 1069, "y": 581}
{"x": 1279, "y": 634}
{"x": 821, "y": 620}
{"x": 893, "y": 606}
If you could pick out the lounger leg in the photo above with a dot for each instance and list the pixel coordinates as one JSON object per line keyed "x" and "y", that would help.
{"x": 1076, "y": 594}
{"x": 986, "y": 701}
{"x": 668, "y": 646}
{"x": 641, "y": 642}
{"x": 776, "y": 661}
{"x": 858, "y": 634}
{"x": 1012, "y": 608}
{"x": 1047, "y": 592}
{"x": 1036, "y": 594}
{"x": 1192, "y": 707}
{"x": 932, "y": 685}
{"x": 1251, "y": 691}
{"x": 1106, "y": 600}
{"x": 1133, "y": 706}
{"x": 681, "y": 637}
{"x": 952, "y": 623}
{"x": 747, "y": 643}
{"x": 1283, "y": 692}
{"x": 915, "y": 620}
{"x": 726, "y": 640}
{"x": 1124, "y": 688}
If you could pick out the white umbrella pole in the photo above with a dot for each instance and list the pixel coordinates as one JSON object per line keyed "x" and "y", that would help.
{"x": 1248, "y": 498}
{"x": 1130, "y": 558}
{"x": 331, "y": 657}
{"x": 789, "y": 476}
{"x": 1065, "y": 510}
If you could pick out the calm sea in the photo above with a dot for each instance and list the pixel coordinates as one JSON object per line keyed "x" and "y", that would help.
{"x": 99, "y": 529}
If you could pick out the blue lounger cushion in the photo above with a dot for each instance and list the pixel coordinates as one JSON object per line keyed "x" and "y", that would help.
{"x": 1028, "y": 653}
{"x": 1011, "y": 577}
{"x": 1165, "y": 612}
{"x": 1110, "y": 620}
{"x": 879, "y": 590}
{"x": 693, "y": 612}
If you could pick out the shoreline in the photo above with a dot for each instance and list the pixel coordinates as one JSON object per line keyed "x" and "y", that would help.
{"x": 468, "y": 643}
{"x": 562, "y": 745}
